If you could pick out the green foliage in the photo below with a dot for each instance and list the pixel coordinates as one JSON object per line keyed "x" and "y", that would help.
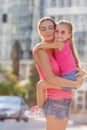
{"x": 33, "y": 79}
{"x": 22, "y": 90}
{"x": 10, "y": 85}
{"x": 12, "y": 78}
{"x": 7, "y": 88}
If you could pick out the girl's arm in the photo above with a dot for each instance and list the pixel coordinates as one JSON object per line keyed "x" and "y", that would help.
{"x": 43, "y": 61}
{"x": 55, "y": 45}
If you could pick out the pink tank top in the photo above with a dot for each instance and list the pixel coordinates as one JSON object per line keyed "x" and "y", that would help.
{"x": 65, "y": 59}
{"x": 54, "y": 93}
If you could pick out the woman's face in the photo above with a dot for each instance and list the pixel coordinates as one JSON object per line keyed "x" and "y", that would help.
{"x": 47, "y": 31}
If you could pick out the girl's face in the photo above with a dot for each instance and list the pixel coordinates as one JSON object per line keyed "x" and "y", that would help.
{"x": 62, "y": 33}
{"x": 47, "y": 31}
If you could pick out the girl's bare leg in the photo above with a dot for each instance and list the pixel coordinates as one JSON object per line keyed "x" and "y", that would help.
{"x": 52, "y": 123}
{"x": 41, "y": 91}
{"x": 41, "y": 94}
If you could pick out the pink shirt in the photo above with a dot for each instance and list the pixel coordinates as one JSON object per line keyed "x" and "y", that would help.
{"x": 54, "y": 93}
{"x": 65, "y": 59}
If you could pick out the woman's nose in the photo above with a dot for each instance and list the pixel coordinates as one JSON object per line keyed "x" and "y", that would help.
{"x": 47, "y": 30}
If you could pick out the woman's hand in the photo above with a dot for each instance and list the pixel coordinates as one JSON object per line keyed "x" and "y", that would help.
{"x": 81, "y": 73}
{"x": 78, "y": 83}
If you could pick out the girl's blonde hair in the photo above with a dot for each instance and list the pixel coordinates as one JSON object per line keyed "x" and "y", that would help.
{"x": 45, "y": 19}
{"x": 70, "y": 28}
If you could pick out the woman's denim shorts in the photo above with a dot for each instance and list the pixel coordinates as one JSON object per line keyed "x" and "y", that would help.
{"x": 59, "y": 108}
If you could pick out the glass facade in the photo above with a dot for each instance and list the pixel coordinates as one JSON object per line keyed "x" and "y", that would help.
{"x": 38, "y": 10}
{"x": 66, "y": 3}
{"x": 15, "y": 25}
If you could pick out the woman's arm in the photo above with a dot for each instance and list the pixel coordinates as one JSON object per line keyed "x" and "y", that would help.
{"x": 81, "y": 73}
{"x": 43, "y": 61}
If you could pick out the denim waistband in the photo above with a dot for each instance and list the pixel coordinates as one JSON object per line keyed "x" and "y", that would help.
{"x": 66, "y": 101}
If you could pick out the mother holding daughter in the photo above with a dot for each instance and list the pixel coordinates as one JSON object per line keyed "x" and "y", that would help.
{"x": 59, "y": 70}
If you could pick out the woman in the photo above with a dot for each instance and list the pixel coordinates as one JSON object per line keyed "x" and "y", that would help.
{"x": 56, "y": 106}
{"x": 58, "y": 101}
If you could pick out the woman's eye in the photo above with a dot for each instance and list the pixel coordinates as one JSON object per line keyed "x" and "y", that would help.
{"x": 51, "y": 28}
{"x": 43, "y": 29}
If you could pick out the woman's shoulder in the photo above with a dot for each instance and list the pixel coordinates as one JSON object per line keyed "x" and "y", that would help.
{"x": 41, "y": 50}
{"x": 38, "y": 44}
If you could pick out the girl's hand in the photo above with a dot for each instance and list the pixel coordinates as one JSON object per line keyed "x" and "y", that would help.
{"x": 37, "y": 47}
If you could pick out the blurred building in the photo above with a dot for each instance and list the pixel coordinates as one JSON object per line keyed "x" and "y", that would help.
{"x": 14, "y": 25}
{"x": 18, "y": 21}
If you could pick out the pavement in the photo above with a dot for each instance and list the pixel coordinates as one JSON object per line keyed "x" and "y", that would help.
{"x": 76, "y": 122}
{"x": 80, "y": 118}
{"x": 74, "y": 119}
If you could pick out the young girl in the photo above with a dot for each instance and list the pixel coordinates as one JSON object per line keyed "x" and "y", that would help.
{"x": 66, "y": 57}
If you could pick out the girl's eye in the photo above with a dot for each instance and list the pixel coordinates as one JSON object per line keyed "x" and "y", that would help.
{"x": 62, "y": 32}
{"x": 56, "y": 31}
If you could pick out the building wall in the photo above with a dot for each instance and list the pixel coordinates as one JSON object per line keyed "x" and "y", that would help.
{"x": 24, "y": 67}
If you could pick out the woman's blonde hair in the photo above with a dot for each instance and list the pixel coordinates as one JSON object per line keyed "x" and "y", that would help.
{"x": 69, "y": 25}
{"x": 45, "y": 19}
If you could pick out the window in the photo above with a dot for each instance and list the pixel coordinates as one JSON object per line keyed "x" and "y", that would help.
{"x": 61, "y": 3}
{"x": 4, "y": 18}
{"x": 53, "y": 3}
{"x": 31, "y": 3}
{"x": 67, "y": 3}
